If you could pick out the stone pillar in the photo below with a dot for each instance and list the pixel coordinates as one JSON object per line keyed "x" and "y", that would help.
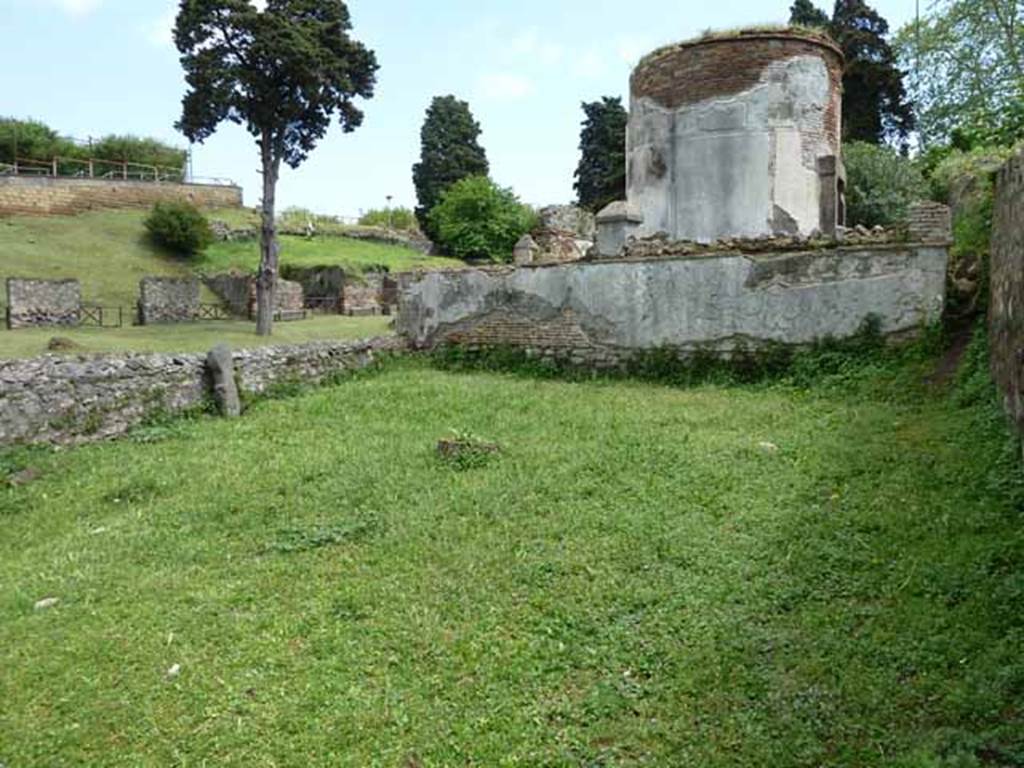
{"x": 525, "y": 251}
{"x": 616, "y": 223}
{"x": 832, "y": 176}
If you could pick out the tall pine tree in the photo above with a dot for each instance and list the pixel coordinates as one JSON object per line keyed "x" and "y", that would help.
{"x": 450, "y": 151}
{"x": 875, "y": 104}
{"x": 601, "y": 174}
{"x": 804, "y": 13}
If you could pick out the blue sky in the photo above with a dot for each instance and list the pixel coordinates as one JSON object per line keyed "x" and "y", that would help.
{"x": 91, "y": 67}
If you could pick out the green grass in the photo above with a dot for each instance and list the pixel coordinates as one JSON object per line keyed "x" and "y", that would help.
{"x": 188, "y": 337}
{"x": 108, "y": 252}
{"x": 645, "y": 576}
{"x": 354, "y": 255}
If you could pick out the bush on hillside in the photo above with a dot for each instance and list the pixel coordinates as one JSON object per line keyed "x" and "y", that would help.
{"x": 477, "y": 219}
{"x": 180, "y": 228}
{"x": 402, "y": 219}
{"x": 880, "y": 185}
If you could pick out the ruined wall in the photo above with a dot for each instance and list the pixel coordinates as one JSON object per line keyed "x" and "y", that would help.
{"x": 48, "y": 196}
{"x": 603, "y": 312}
{"x": 168, "y": 300}
{"x": 727, "y": 135}
{"x": 238, "y": 291}
{"x": 1006, "y": 308}
{"x": 81, "y": 399}
{"x": 33, "y": 303}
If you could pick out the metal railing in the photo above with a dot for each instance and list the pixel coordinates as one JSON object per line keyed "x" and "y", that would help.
{"x": 108, "y": 170}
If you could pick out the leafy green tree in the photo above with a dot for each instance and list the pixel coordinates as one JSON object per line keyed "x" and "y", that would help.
{"x": 601, "y": 173}
{"x": 804, "y": 13}
{"x": 450, "y": 151}
{"x": 880, "y": 184}
{"x": 283, "y": 73}
{"x": 477, "y": 219}
{"x": 875, "y": 104}
{"x": 967, "y": 57}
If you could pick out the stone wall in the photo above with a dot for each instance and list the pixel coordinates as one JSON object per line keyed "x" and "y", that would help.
{"x": 48, "y": 196}
{"x": 73, "y": 400}
{"x": 32, "y": 303}
{"x": 1006, "y": 307}
{"x": 238, "y": 291}
{"x": 737, "y": 135}
{"x": 603, "y": 312}
{"x": 168, "y": 300}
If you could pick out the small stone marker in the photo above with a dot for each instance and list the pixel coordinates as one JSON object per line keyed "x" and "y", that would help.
{"x": 225, "y": 390}
{"x": 46, "y": 602}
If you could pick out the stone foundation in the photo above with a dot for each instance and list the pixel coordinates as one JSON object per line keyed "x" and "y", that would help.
{"x": 20, "y": 195}
{"x": 602, "y": 313}
{"x": 35, "y": 303}
{"x": 74, "y": 400}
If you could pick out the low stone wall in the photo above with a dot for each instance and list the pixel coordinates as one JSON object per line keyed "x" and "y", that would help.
{"x": 73, "y": 400}
{"x": 59, "y": 196}
{"x": 603, "y": 312}
{"x": 1006, "y": 307}
{"x": 238, "y": 291}
{"x": 168, "y": 300}
{"x": 33, "y": 303}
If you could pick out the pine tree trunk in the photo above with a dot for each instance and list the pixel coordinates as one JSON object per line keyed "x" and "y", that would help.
{"x": 266, "y": 280}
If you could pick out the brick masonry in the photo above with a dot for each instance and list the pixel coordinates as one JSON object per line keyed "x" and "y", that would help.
{"x": 32, "y": 303}
{"x": 692, "y": 72}
{"x": 1006, "y": 307}
{"x": 71, "y": 400}
{"x": 60, "y": 196}
{"x": 238, "y": 291}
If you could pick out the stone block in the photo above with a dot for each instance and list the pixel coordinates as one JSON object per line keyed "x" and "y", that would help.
{"x": 616, "y": 223}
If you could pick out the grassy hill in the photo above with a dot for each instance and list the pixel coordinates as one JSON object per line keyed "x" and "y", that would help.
{"x": 109, "y": 253}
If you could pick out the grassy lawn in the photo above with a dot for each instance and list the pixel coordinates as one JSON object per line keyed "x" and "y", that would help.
{"x": 646, "y": 576}
{"x": 188, "y": 337}
{"x": 354, "y": 255}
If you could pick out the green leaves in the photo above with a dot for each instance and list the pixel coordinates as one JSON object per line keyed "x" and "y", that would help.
{"x": 601, "y": 173}
{"x": 449, "y": 153}
{"x": 477, "y": 219}
{"x": 283, "y": 72}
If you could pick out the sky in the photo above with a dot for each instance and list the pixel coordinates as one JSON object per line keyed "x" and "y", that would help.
{"x": 94, "y": 67}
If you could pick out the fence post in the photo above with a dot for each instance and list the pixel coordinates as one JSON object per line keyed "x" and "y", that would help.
{"x": 124, "y": 170}
{"x": 90, "y": 168}
{"x": 55, "y": 167}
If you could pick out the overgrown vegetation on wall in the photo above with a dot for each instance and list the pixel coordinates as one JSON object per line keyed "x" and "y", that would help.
{"x": 34, "y": 140}
{"x": 880, "y": 184}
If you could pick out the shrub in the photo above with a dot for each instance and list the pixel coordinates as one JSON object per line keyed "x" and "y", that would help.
{"x": 880, "y": 184}
{"x": 402, "y": 219}
{"x": 179, "y": 227}
{"x": 477, "y": 219}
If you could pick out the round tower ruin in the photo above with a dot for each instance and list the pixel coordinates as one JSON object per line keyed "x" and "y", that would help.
{"x": 737, "y": 135}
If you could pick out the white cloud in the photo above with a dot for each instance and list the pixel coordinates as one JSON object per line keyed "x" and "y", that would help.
{"x": 588, "y": 64}
{"x": 530, "y": 45}
{"x": 161, "y": 32}
{"x": 504, "y": 86}
{"x": 77, "y": 8}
